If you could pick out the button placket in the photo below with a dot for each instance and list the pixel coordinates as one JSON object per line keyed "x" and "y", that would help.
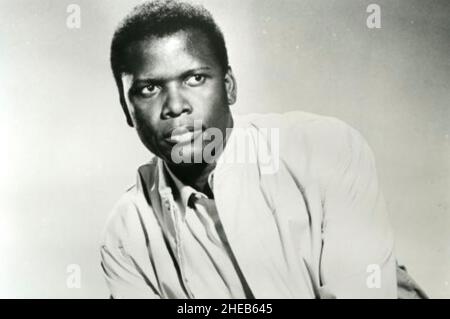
{"x": 175, "y": 216}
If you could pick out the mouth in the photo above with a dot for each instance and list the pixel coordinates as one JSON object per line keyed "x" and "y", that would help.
{"x": 182, "y": 135}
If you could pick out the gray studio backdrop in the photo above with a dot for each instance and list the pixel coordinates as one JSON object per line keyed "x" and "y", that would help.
{"x": 67, "y": 154}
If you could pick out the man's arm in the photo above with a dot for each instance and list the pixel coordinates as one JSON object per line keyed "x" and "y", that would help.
{"x": 124, "y": 276}
{"x": 358, "y": 259}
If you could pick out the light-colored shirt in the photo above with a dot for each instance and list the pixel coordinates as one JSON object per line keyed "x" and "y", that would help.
{"x": 303, "y": 216}
{"x": 208, "y": 267}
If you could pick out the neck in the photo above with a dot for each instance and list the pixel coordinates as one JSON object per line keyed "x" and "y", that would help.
{"x": 195, "y": 175}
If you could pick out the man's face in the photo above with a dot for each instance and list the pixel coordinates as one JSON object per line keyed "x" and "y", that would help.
{"x": 171, "y": 82}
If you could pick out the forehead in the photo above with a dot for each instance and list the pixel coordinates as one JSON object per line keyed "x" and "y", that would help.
{"x": 171, "y": 54}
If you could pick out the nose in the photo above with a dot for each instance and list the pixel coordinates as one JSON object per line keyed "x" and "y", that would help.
{"x": 175, "y": 103}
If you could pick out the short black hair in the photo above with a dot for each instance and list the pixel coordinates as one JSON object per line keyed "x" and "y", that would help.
{"x": 160, "y": 18}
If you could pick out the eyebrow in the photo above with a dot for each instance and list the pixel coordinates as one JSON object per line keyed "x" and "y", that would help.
{"x": 161, "y": 80}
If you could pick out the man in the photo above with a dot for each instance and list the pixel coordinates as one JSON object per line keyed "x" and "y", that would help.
{"x": 258, "y": 206}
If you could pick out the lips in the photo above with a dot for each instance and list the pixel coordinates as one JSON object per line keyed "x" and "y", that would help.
{"x": 182, "y": 135}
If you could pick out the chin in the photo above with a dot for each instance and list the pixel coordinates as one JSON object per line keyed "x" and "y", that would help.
{"x": 185, "y": 156}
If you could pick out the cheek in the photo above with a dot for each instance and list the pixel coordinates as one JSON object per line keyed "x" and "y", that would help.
{"x": 214, "y": 98}
{"x": 144, "y": 116}
{"x": 146, "y": 125}
{"x": 147, "y": 132}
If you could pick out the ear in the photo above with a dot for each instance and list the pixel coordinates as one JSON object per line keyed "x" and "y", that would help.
{"x": 125, "y": 108}
{"x": 230, "y": 86}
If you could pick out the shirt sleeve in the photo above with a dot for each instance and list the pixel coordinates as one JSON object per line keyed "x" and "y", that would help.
{"x": 358, "y": 258}
{"x": 123, "y": 278}
{"x": 124, "y": 275}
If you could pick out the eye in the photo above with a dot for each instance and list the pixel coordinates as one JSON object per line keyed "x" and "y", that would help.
{"x": 148, "y": 90}
{"x": 196, "y": 80}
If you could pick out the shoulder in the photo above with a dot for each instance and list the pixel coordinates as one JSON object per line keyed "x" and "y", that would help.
{"x": 315, "y": 126}
{"x": 124, "y": 219}
{"x": 120, "y": 219}
{"x": 313, "y": 145}
{"x": 317, "y": 133}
